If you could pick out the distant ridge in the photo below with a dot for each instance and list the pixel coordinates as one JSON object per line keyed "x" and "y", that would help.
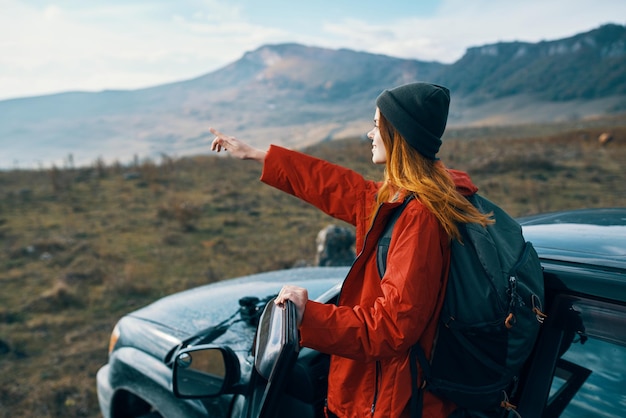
{"x": 298, "y": 95}
{"x": 587, "y": 66}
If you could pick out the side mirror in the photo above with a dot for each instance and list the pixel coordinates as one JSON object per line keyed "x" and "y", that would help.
{"x": 204, "y": 371}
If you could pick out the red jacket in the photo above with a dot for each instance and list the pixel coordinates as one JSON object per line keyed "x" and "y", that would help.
{"x": 370, "y": 331}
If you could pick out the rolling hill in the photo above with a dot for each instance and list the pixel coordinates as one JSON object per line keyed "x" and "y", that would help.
{"x": 298, "y": 95}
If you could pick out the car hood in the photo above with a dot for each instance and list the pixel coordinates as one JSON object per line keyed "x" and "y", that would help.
{"x": 588, "y": 236}
{"x": 160, "y": 326}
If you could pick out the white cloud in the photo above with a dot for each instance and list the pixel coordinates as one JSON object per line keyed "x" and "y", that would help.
{"x": 51, "y": 12}
{"x": 54, "y": 49}
{"x": 460, "y": 24}
{"x": 132, "y": 44}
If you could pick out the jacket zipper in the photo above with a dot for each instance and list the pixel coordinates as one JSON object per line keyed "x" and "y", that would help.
{"x": 358, "y": 256}
{"x": 378, "y": 366}
{"x": 378, "y": 371}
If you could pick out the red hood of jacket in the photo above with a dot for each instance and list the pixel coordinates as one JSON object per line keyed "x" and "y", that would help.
{"x": 463, "y": 182}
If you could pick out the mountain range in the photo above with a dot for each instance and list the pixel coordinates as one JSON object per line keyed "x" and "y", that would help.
{"x": 297, "y": 95}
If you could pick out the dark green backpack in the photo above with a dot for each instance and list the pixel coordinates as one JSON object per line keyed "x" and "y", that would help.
{"x": 490, "y": 318}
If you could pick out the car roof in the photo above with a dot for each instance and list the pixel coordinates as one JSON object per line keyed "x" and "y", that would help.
{"x": 588, "y": 236}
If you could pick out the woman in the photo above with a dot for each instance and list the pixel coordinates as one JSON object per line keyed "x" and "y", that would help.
{"x": 377, "y": 320}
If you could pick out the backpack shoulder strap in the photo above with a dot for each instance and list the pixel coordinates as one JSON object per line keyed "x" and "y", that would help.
{"x": 385, "y": 238}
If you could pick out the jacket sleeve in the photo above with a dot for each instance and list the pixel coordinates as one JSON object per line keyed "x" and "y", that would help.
{"x": 337, "y": 191}
{"x": 409, "y": 296}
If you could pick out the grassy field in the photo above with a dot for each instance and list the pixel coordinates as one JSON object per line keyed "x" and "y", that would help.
{"x": 80, "y": 247}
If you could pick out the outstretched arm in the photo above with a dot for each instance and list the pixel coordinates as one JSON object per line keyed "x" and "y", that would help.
{"x": 235, "y": 147}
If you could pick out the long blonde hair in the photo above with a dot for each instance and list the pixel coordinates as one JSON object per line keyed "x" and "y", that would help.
{"x": 428, "y": 180}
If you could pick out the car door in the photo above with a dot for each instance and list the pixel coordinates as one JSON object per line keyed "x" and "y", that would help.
{"x": 579, "y": 365}
{"x": 276, "y": 350}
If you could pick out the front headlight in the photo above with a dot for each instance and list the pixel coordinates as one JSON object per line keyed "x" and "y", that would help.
{"x": 115, "y": 335}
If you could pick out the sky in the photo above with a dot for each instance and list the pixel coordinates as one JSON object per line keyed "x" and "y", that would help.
{"x": 77, "y": 45}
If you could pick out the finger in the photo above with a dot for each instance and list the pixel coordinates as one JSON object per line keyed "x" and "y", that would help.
{"x": 216, "y": 132}
{"x": 217, "y": 145}
{"x": 283, "y": 295}
{"x": 280, "y": 300}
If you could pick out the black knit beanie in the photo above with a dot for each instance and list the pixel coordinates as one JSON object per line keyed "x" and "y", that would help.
{"x": 419, "y": 111}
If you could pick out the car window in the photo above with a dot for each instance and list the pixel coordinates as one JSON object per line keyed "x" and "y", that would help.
{"x": 590, "y": 375}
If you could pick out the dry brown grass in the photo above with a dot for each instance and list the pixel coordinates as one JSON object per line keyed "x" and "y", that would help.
{"x": 81, "y": 247}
